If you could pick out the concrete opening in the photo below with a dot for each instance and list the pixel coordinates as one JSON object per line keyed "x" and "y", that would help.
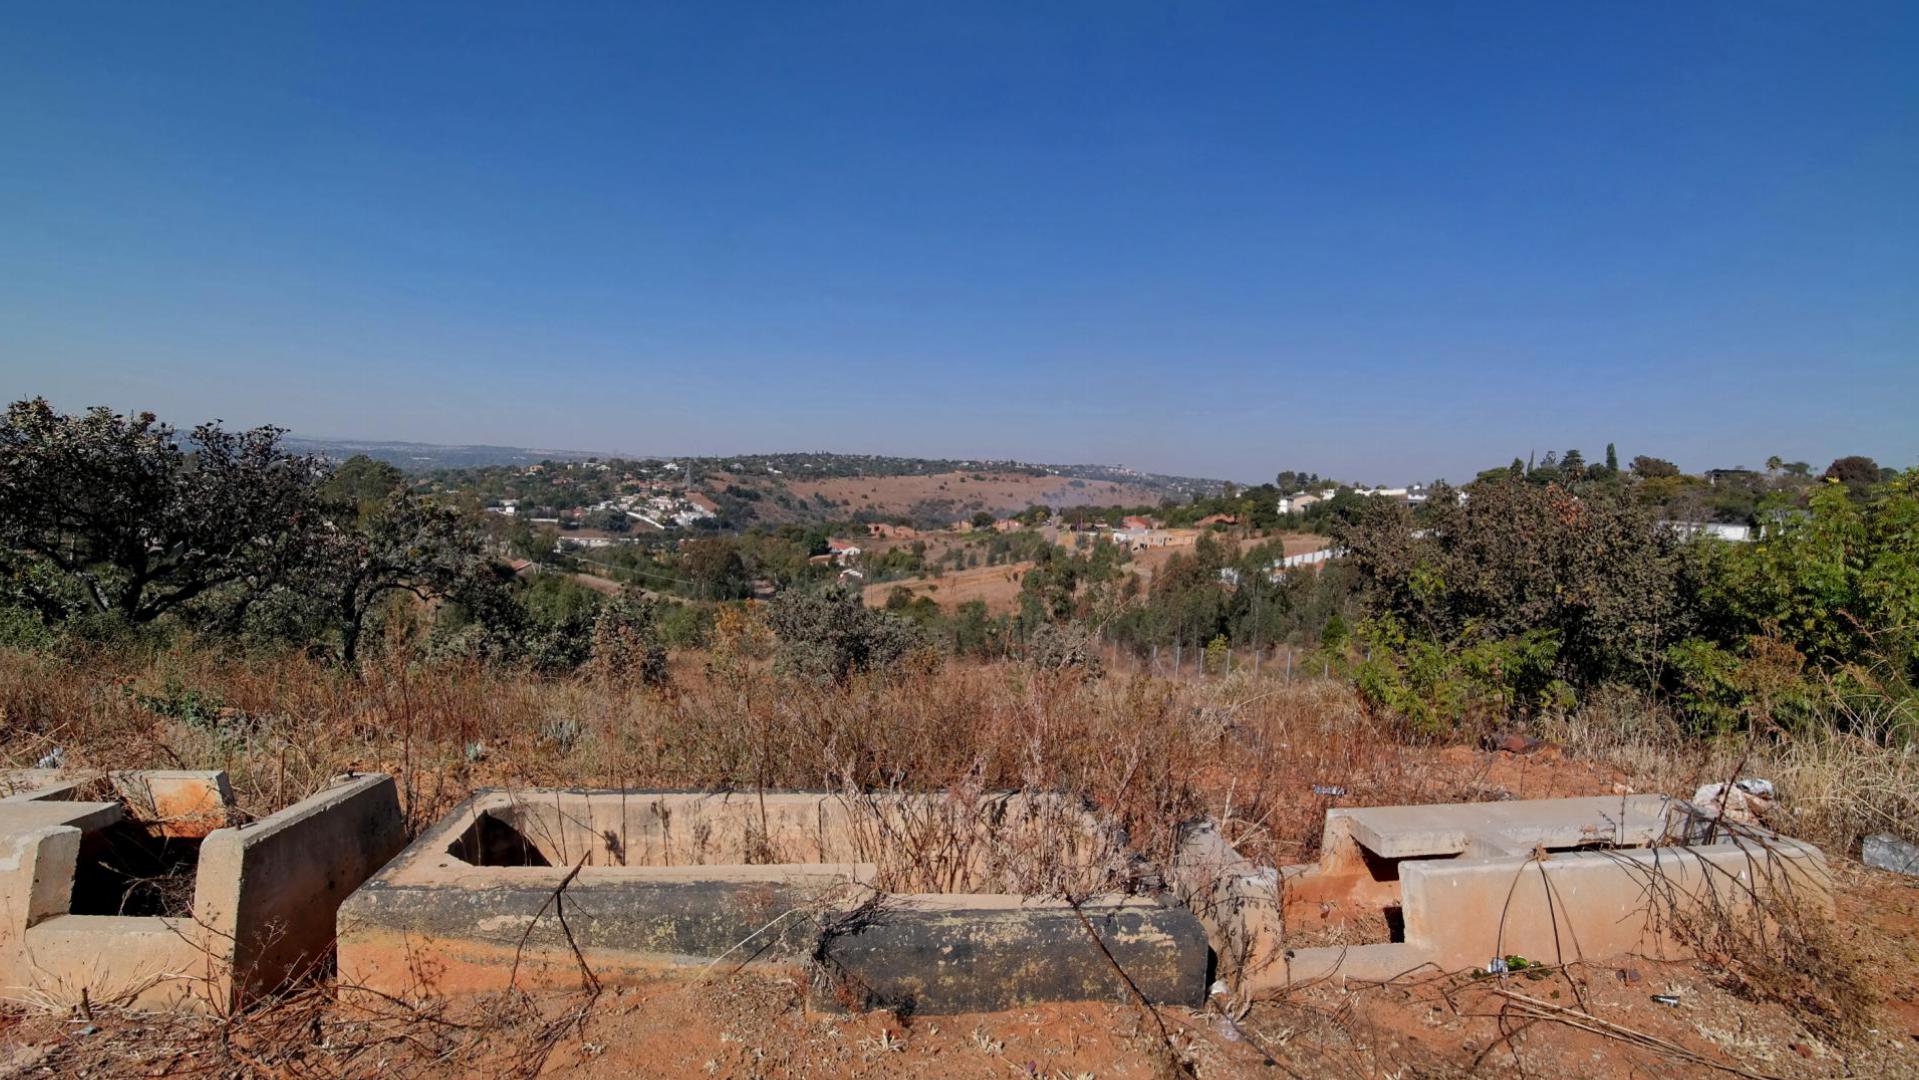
{"x": 925, "y": 902}
{"x": 126, "y": 868}
{"x": 1385, "y": 871}
{"x": 494, "y": 841}
{"x": 1395, "y": 917}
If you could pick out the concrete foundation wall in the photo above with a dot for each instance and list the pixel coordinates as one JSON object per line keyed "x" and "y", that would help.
{"x": 263, "y": 906}
{"x": 277, "y": 884}
{"x": 952, "y": 954}
{"x": 447, "y": 917}
{"x": 514, "y": 927}
{"x": 918, "y": 844}
{"x": 135, "y": 962}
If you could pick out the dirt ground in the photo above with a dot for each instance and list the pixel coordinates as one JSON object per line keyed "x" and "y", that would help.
{"x": 1591, "y": 1022}
{"x": 999, "y": 586}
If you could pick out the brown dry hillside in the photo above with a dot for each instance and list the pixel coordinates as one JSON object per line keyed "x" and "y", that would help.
{"x": 997, "y": 585}
{"x": 998, "y": 493}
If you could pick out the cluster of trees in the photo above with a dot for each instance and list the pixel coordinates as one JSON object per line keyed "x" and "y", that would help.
{"x": 1529, "y": 596}
{"x": 1551, "y": 581}
{"x": 115, "y": 521}
{"x": 1734, "y": 496}
{"x": 112, "y": 525}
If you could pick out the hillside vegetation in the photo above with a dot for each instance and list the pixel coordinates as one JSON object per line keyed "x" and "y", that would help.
{"x": 214, "y": 601}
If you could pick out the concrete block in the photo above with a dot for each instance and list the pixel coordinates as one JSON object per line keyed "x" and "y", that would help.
{"x": 176, "y": 803}
{"x": 1555, "y": 880}
{"x": 264, "y": 899}
{"x": 954, "y": 954}
{"x": 276, "y": 885}
{"x": 1888, "y": 852}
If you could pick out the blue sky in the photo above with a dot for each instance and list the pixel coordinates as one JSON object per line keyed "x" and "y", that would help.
{"x": 1378, "y": 241}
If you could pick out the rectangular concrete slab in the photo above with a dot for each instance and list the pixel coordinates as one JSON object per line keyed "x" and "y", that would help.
{"x": 955, "y": 954}
{"x": 1397, "y": 832}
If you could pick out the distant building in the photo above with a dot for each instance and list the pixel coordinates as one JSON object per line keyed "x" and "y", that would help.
{"x": 1141, "y": 539}
{"x": 891, "y": 532}
{"x": 1715, "y": 477}
{"x": 842, "y": 551}
{"x": 1136, "y": 523}
{"x": 1218, "y": 519}
{"x": 1736, "y": 534}
{"x": 1294, "y": 504}
{"x": 1007, "y": 525}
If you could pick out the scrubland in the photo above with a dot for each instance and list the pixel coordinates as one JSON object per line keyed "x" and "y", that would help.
{"x": 1256, "y": 754}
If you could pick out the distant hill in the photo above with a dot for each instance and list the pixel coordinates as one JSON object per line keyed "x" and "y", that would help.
{"x": 425, "y": 457}
{"x": 1118, "y": 483}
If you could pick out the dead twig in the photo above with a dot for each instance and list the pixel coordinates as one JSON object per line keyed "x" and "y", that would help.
{"x": 1579, "y": 1018}
{"x": 557, "y": 901}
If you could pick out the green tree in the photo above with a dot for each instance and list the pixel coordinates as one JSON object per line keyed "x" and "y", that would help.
{"x": 1652, "y": 468}
{"x": 1595, "y": 572}
{"x": 118, "y": 514}
{"x": 717, "y": 569}
{"x": 1839, "y": 584}
{"x": 407, "y": 545}
{"x": 1857, "y": 472}
{"x": 362, "y": 482}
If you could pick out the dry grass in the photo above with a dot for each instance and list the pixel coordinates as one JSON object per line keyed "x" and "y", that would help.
{"x": 1154, "y": 753}
{"x": 1151, "y": 753}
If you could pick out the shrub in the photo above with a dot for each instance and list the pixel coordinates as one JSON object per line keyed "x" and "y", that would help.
{"x": 828, "y": 636}
{"x": 1599, "y": 574}
{"x": 1064, "y": 647}
{"x": 1439, "y": 687}
{"x": 625, "y": 644}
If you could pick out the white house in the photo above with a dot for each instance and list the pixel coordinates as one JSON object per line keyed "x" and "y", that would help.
{"x": 1293, "y": 504}
{"x": 1736, "y": 534}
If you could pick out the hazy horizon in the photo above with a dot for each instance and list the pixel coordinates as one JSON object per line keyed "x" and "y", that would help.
{"x": 1391, "y": 244}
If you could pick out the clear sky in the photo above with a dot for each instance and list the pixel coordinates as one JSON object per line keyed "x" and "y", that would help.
{"x": 1379, "y": 241}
